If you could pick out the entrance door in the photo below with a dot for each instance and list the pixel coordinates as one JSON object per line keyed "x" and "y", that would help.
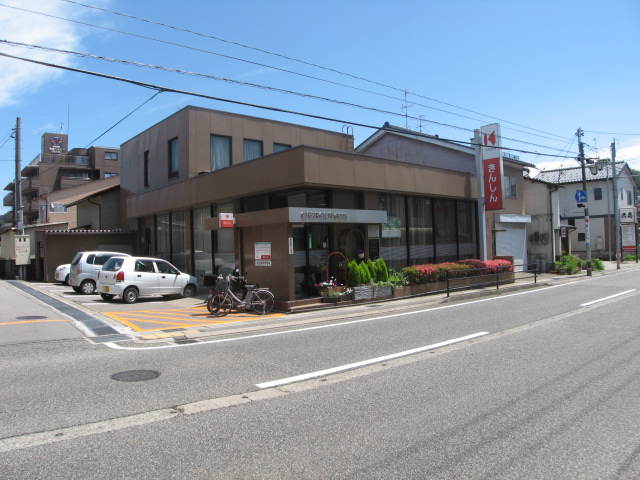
{"x": 511, "y": 241}
{"x": 310, "y": 249}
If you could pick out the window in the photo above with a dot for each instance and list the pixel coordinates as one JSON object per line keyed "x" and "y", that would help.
{"x": 144, "y": 266}
{"x": 220, "y": 152}
{"x": 252, "y": 149}
{"x": 110, "y": 174}
{"x": 146, "y": 168}
{"x": 597, "y": 193}
{"x": 111, "y": 156}
{"x": 420, "y": 230}
{"x": 173, "y": 158}
{"x": 509, "y": 186}
{"x": 57, "y": 208}
{"x": 164, "y": 267}
{"x": 581, "y": 237}
{"x": 629, "y": 199}
{"x": 280, "y": 147}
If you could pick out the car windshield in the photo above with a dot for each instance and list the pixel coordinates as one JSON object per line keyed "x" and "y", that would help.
{"x": 113, "y": 264}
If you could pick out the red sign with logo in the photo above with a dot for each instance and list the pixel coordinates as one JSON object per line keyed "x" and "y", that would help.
{"x": 226, "y": 220}
{"x": 492, "y": 183}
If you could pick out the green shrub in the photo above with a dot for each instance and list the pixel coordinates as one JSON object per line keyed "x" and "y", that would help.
{"x": 597, "y": 264}
{"x": 567, "y": 265}
{"x": 365, "y": 275}
{"x": 352, "y": 274}
{"x": 398, "y": 279}
{"x": 629, "y": 258}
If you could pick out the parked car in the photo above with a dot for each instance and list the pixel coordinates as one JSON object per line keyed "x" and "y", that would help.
{"x": 132, "y": 277}
{"x": 85, "y": 266}
{"x": 62, "y": 273}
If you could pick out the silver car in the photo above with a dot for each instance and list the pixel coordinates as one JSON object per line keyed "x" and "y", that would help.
{"x": 132, "y": 277}
{"x": 85, "y": 267}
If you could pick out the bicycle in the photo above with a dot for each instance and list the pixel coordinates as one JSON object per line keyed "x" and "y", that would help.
{"x": 224, "y": 299}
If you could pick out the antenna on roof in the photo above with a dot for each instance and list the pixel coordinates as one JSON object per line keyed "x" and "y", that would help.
{"x": 406, "y": 107}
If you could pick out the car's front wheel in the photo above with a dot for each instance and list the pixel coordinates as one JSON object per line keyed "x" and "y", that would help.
{"x": 130, "y": 295}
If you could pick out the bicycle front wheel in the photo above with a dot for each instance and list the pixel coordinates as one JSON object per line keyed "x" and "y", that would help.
{"x": 220, "y": 304}
{"x": 262, "y": 301}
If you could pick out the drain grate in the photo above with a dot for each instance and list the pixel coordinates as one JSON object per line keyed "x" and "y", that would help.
{"x": 31, "y": 317}
{"x": 135, "y": 375}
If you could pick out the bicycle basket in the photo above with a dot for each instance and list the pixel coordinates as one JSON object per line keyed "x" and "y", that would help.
{"x": 222, "y": 285}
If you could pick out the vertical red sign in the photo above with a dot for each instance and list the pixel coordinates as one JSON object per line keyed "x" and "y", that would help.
{"x": 492, "y": 183}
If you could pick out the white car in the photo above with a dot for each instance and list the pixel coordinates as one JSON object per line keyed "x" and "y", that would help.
{"x": 62, "y": 273}
{"x": 85, "y": 267}
{"x": 132, "y": 277}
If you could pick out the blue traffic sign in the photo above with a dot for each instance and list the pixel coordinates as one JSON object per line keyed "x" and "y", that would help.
{"x": 581, "y": 196}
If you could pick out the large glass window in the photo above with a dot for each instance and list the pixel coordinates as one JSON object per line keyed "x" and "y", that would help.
{"x": 111, "y": 155}
{"x": 393, "y": 247}
{"x": 420, "y": 231}
{"x": 163, "y": 236}
{"x": 220, "y": 152}
{"x": 252, "y": 149}
{"x": 224, "y": 244}
{"x": 178, "y": 254}
{"x": 173, "y": 158}
{"x": 467, "y": 236}
{"x": 445, "y": 230}
{"x": 202, "y": 246}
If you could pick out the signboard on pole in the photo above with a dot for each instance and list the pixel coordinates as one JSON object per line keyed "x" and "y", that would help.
{"x": 627, "y": 215}
{"x": 22, "y": 249}
{"x": 628, "y": 237}
{"x": 492, "y": 169}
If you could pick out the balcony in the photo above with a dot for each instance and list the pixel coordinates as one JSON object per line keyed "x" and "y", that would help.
{"x": 66, "y": 160}
{"x": 8, "y": 200}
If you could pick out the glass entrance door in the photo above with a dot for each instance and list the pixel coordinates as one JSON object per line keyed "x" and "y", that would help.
{"x": 310, "y": 249}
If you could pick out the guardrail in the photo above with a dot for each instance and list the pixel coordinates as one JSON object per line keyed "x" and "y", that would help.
{"x": 456, "y": 281}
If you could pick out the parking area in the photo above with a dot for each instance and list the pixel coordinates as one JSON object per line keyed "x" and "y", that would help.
{"x": 152, "y": 314}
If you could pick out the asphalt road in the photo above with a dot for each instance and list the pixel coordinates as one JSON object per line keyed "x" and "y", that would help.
{"x": 543, "y": 384}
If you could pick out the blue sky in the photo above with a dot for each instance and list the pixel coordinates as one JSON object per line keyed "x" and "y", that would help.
{"x": 541, "y": 69}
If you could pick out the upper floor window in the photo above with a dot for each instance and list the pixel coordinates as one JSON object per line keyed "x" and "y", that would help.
{"x": 509, "y": 186}
{"x": 111, "y": 155}
{"x": 110, "y": 174}
{"x": 57, "y": 207}
{"x": 220, "y": 152}
{"x": 252, "y": 149}
{"x": 280, "y": 147}
{"x": 146, "y": 168}
{"x": 629, "y": 198}
{"x": 173, "y": 158}
{"x": 597, "y": 193}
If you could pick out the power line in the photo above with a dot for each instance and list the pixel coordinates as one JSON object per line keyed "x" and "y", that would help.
{"x": 283, "y": 70}
{"x": 153, "y": 22}
{"x": 237, "y": 102}
{"x": 124, "y": 118}
{"x": 290, "y": 92}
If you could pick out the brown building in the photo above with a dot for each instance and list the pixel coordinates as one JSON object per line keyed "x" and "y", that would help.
{"x": 56, "y": 168}
{"x": 297, "y": 196}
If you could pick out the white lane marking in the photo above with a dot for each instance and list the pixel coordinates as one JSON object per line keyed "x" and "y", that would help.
{"x": 607, "y": 298}
{"x": 333, "y": 325}
{"x": 363, "y": 363}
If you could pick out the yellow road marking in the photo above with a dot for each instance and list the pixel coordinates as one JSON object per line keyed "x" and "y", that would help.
{"x": 34, "y": 321}
{"x": 180, "y": 318}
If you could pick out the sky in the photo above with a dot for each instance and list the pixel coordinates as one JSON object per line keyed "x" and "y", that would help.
{"x": 541, "y": 69}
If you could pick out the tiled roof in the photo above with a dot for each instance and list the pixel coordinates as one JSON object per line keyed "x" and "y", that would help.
{"x": 574, "y": 174}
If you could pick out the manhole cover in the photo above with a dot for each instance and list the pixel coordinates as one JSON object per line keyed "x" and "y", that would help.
{"x": 135, "y": 375}
{"x": 30, "y": 317}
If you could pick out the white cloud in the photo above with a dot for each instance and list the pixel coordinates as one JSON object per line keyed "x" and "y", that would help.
{"x": 18, "y": 77}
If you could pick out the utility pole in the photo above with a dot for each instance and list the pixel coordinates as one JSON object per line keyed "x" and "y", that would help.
{"x": 615, "y": 202}
{"x": 18, "y": 188}
{"x": 587, "y": 227}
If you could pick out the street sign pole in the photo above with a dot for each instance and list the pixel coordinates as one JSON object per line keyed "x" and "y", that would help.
{"x": 587, "y": 227}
